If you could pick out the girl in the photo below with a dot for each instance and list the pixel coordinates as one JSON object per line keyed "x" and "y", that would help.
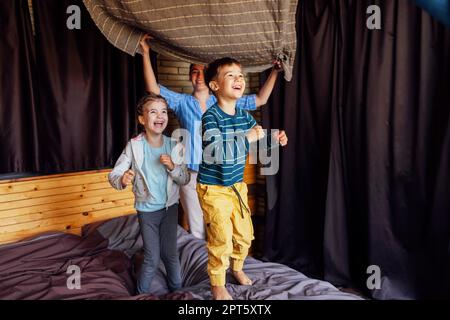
{"x": 146, "y": 163}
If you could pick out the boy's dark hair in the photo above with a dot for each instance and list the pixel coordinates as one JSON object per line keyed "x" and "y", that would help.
{"x": 149, "y": 97}
{"x": 213, "y": 68}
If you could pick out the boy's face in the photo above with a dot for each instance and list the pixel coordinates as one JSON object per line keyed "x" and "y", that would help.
{"x": 154, "y": 118}
{"x": 197, "y": 77}
{"x": 229, "y": 83}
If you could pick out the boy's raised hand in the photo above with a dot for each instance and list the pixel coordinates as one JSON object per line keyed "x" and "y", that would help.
{"x": 144, "y": 43}
{"x": 166, "y": 160}
{"x": 254, "y": 134}
{"x": 281, "y": 137}
{"x": 127, "y": 178}
{"x": 277, "y": 66}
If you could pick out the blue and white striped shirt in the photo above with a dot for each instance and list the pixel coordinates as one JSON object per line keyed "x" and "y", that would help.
{"x": 189, "y": 113}
{"x": 225, "y": 146}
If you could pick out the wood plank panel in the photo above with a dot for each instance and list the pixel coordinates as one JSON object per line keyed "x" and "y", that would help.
{"x": 55, "y": 198}
{"x": 73, "y": 221}
{"x": 56, "y": 191}
{"x": 65, "y": 211}
{"x": 61, "y": 203}
{"x": 54, "y": 176}
{"x": 39, "y": 183}
{"x": 252, "y": 204}
{"x": 250, "y": 174}
{"x": 113, "y": 195}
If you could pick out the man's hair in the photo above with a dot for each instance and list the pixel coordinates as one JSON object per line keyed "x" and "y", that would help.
{"x": 149, "y": 97}
{"x": 191, "y": 66}
{"x": 212, "y": 69}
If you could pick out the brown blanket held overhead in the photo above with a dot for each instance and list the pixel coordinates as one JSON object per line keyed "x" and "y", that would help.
{"x": 255, "y": 32}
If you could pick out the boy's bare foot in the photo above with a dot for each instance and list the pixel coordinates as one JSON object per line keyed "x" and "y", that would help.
{"x": 220, "y": 293}
{"x": 242, "y": 278}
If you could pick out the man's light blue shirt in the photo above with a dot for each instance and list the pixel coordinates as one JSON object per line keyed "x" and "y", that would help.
{"x": 189, "y": 113}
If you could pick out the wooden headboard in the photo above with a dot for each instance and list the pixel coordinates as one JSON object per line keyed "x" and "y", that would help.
{"x": 67, "y": 202}
{"x": 64, "y": 202}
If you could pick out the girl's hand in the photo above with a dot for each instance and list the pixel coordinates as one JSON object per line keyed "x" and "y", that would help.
{"x": 166, "y": 160}
{"x": 127, "y": 178}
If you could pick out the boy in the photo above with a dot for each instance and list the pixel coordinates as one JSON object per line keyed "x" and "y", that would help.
{"x": 227, "y": 133}
{"x": 189, "y": 109}
{"x": 146, "y": 162}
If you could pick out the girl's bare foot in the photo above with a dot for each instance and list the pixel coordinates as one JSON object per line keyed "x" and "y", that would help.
{"x": 242, "y": 278}
{"x": 220, "y": 293}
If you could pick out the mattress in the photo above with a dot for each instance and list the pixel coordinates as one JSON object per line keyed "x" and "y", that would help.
{"x": 108, "y": 256}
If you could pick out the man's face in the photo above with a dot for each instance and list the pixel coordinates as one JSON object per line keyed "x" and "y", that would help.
{"x": 197, "y": 77}
{"x": 230, "y": 82}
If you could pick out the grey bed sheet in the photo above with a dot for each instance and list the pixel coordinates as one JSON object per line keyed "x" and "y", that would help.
{"x": 271, "y": 281}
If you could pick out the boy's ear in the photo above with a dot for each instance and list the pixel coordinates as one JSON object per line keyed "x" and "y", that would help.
{"x": 213, "y": 85}
{"x": 141, "y": 120}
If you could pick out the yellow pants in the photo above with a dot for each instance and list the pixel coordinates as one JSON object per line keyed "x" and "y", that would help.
{"x": 229, "y": 230}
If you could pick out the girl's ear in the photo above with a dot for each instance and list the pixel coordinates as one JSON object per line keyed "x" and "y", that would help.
{"x": 141, "y": 120}
{"x": 213, "y": 85}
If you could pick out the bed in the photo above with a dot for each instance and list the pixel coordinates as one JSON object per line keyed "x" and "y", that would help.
{"x": 109, "y": 253}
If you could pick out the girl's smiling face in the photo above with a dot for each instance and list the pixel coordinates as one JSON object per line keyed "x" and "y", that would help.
{"x": 155, "y": 117}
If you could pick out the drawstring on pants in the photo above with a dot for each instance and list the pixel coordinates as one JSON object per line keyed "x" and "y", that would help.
{"x": 241, "y": 202}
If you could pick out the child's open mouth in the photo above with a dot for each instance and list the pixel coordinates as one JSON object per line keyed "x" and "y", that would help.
{"x": 158, "y": 124}
{"x": 237, "y": 87}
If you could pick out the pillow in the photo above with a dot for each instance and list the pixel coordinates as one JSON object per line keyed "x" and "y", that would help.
{"x": 123, "y": 233}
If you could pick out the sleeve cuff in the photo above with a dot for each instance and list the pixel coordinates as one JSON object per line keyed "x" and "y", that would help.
{"x": 175, "y": 172}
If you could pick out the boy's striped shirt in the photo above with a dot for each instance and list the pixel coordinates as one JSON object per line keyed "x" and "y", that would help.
{"x": 189, "y": 112}
{"x": 225, "y": 146}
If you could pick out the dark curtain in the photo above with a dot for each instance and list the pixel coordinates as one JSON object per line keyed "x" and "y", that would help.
{"x": 87, "y": 91}
{"x": 365, "y": 179}
{"x": 18, "y": 129}
{"x": 68, "y": 97}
